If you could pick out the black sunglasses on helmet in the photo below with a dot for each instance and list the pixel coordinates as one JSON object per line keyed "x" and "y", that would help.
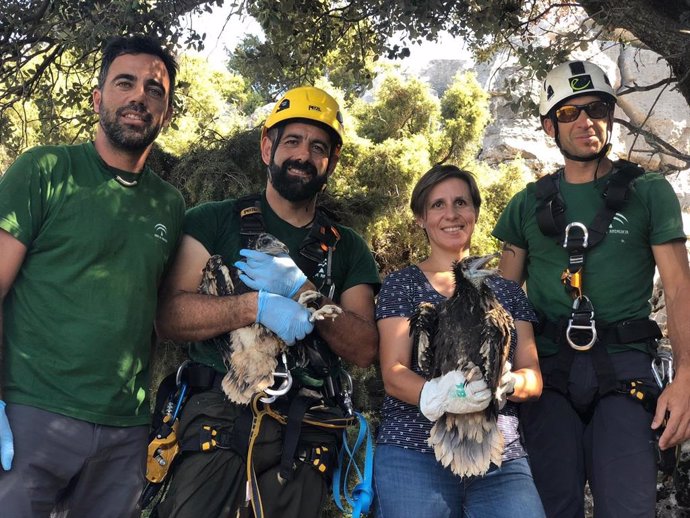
{"x": 595, "y": 110}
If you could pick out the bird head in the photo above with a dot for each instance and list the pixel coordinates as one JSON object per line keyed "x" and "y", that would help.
{"x": 270, "y": 244}
{"x": 472, "y": 268}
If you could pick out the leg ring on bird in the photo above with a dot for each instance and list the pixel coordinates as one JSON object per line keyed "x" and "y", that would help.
{"x": 460, "y": 390}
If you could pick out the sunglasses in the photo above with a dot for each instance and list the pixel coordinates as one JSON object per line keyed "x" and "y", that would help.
{"x": 595, "y": 110}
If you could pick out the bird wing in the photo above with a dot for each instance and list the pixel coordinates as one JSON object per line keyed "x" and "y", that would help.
{"x": 216, "y": 279}
{"x": 423, "y": 324}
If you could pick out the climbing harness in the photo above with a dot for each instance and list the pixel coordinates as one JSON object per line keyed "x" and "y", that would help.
{"x": 302, "y": 410}
{"x": 580, "y": 331}
{"x": 164, "y": 444}
{"x": 362, "y": 495}
{"x": 578, "y": 239}
{"x": 311, "y": 364}
{"x": 312, "y": 390}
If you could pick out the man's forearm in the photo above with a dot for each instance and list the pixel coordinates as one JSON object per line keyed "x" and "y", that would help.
{"x": 678, "y": 326}
{"x": 192, "y": 316}
{"x": 2, "y": 356}
{"x": 351, "y": 337}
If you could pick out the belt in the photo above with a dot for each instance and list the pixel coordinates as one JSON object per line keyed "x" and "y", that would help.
{"x": 624, "y": 332}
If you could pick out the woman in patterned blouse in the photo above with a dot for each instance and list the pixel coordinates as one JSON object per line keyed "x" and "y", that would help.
{"x": 408, "y": 479}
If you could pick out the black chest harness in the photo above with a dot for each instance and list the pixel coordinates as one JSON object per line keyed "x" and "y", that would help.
{"x": 580, "y": 332}
{"x": 319, "y": 244}
{"x": 311, "y": 363}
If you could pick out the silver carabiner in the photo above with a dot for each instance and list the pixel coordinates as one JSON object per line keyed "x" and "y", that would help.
{"x": 591, "y": 328}
{"x": 284, "y": 387}
{"x": 180, "y": 370}
{"x": 662, "y": 368}
{"x": 581, "y": 227}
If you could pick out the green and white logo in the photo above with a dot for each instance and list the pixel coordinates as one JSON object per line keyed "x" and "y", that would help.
{"x": 579, "y": 83}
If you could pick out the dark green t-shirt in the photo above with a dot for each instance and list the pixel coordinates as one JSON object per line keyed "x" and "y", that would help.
{"x": 216, "y": 225}
{"x": 78, "y": 320}
{"x": 618, "y": 273}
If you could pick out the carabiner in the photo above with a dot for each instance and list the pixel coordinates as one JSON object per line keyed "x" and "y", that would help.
{"x": 589, "y": 326}
{"x": 285, "y": 385}
{"x": 662, "y": 368}
{"x": 180, "y": 370}
{"x": 582, "y": 227}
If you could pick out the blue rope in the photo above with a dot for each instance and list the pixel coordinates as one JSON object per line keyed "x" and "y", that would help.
{"x": 362, "y": 494}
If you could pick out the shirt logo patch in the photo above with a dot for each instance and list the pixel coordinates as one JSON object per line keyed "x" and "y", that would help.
{"x": 619, "y": 220}
{"x": 160, "y": 231}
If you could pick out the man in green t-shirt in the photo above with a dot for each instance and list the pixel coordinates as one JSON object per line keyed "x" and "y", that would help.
{"x": 86, "y": 233}
{"x": 587, "y": 240}
{"x": 290, "y": 464}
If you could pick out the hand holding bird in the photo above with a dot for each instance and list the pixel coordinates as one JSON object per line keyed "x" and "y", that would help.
{"x": 274, "y": 273}
{"x": 455, "y": 394}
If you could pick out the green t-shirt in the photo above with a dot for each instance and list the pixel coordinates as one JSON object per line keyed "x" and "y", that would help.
{"x": 216, "y": 225}
{"x": 618, "y": 273}
{"x": 78, "y": 320}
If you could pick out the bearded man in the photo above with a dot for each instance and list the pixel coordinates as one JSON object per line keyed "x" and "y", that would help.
{"x": 86, "y": 232}
{"x": 287, "y": 473}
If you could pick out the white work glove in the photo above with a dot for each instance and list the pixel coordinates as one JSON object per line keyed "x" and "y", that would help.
{"x": 6, "y": 440}
{"x": 506, "y": 387}
{"x": 453, "y": 394}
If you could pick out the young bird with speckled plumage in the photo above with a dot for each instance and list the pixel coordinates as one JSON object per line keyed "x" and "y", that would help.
{"x": 469, "y": 332}
{"x": 251, "y": 353}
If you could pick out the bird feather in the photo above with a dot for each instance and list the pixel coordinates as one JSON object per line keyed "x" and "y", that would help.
{"x": 470, "y": 332}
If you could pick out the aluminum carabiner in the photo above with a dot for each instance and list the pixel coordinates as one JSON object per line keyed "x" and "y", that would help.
{"x": 578, "y": 326}
{"x": 285, "y": 385}
{"x": 581, "y": 226}
{"x": 662, "y": 368}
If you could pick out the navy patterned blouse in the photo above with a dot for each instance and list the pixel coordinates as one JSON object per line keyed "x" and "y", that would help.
{"x": 403, "y": 424}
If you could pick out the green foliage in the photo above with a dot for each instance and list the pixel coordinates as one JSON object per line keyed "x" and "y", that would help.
{"x": 401, "y": 108}
{"x": 314, "y": 44}
{"x": 230, "y": 169}
{"x": 211, "y": 105}
{"x": 464, "y": 115}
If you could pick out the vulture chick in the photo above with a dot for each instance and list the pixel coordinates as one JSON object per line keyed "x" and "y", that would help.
{"x": 470, "y": 332}
{"x": 251, "y": 353}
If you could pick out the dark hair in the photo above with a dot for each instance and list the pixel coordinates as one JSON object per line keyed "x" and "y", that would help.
{"x": 433, "y": 177}
{"x": 138, "y": 44}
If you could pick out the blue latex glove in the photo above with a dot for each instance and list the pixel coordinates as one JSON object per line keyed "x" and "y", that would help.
{"x": 285, "y": 317}
{"x": 6, "y": 440}
{"x": 277, "y": 274}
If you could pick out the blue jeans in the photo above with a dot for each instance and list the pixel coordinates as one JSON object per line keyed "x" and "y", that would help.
{"x": 411, "y": 483}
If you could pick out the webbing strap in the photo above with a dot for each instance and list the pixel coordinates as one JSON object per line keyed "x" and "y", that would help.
{"x": 550, "y": 213}
{"x": 251, "y": 219}
{"x": 362, "y": 494}
{"x": 298, "y": 407}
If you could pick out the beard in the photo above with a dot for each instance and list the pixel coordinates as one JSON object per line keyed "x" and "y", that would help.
{"x": 126, "y": 137}
{"x": 296, "y": 189}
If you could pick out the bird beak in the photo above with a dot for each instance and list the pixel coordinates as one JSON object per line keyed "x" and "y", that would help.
{"x": 482, "y": 261}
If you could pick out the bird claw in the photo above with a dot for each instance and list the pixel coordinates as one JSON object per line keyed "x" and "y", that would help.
{"x": 328, "y": 311}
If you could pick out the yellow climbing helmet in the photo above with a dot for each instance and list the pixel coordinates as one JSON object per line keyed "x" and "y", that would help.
{"x": 308, "y": 103}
